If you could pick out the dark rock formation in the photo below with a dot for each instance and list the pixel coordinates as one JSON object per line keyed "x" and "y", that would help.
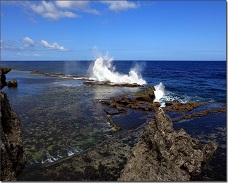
{"x": 163, "y": 154}
{"x": 4, "y": 71}
{"x": 4, "y": 83}
{"x": 182, "y": 107}
{"x": 12, "y": 154}
{"x": 12, "y": 83}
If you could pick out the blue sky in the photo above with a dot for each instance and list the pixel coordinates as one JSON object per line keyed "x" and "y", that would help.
{"x": 128, "y": 30}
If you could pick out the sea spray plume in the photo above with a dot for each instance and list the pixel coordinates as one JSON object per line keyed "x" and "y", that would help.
{"x": 103, "y": 70}
{"x": 159, "y": 93}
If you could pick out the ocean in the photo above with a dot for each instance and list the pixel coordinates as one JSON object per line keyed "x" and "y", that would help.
{"x": 61, "y": 116}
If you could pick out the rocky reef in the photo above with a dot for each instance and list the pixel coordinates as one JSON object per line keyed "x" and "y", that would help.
{"x": 163, "y": 154}
{"x": 152, "y": 152}
{"x": 144, "y": 101}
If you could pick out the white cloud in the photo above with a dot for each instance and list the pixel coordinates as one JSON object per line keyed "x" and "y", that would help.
{"x": 77, "y": 5}
{"x": 28, "y": 42}
{"x": 53, "y": 46}
{"x": 50, "y": 11}
{"x": 121, "y": 5}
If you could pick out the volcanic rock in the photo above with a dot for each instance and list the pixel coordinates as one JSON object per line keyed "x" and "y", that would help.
{"x": 12, "y": 83}
{"x": 12, "y": 154}
{"x": 4, "y": 71}
{"x": 163, "y": 154}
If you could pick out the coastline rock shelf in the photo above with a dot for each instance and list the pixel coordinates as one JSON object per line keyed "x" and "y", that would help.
{"x": 143, "y": 101}
{"x": 160, "y": 154}
{"x": 152, "y": 151}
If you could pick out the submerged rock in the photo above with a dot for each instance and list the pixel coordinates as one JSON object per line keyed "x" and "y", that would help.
{"x": 12, "y": 153}
{"x": 163, "y": 154}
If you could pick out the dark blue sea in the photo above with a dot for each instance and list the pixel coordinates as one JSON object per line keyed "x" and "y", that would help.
{"x": 61, "y": 116}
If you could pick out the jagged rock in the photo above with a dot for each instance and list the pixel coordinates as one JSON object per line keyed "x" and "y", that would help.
{"x": 12, "y": 154}
{"x": 4, "y": 71}
{"x": 163, "y": 154}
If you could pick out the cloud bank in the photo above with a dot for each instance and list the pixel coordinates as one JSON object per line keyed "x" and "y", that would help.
{"x": 50, "y": 11}
{"x": 117, "y": 6}
{"x": 55, "y": 10}
{"x": 27, "y": 44}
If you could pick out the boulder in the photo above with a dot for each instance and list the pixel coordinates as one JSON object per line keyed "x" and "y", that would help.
{"x": 163, "y": 154}
{"x": 12, "y": 83}
{"x": 12, "y": 153}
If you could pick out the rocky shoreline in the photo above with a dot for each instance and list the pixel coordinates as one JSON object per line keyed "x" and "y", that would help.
{"x": 12, "y": 153}
{"x": 174, "y": 156}
{"x": 143, "y": 101}
{"x": 152, "y": 152}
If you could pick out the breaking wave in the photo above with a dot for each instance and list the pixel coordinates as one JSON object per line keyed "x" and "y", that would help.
{"x": 162, "y": 96}
{"x": 103, "y": 70}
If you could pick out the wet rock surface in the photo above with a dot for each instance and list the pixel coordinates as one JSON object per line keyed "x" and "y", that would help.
{"x": 163, "y": 154}
{"x": 144, "y": 101}
{"x": 12, "y": 154}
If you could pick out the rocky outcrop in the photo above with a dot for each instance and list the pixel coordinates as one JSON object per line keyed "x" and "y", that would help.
{"x": 12, "y": 83}
{"x": 12, "y": 154}
{"x": 4, "y": 83}
{"x": 4, "y": 71}
{"x": 163, "y": 154}
{"x": 182, "y": 107}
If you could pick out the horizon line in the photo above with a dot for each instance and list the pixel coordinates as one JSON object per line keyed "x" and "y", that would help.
{"x": 129, "y": 60}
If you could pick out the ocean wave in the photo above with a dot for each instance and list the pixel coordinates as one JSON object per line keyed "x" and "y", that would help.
{"x": 103, "y": 70}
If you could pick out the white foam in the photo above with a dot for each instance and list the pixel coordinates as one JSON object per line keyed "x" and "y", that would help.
{"x": 159, "y": 92}
{"x": 103, "y": 70}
